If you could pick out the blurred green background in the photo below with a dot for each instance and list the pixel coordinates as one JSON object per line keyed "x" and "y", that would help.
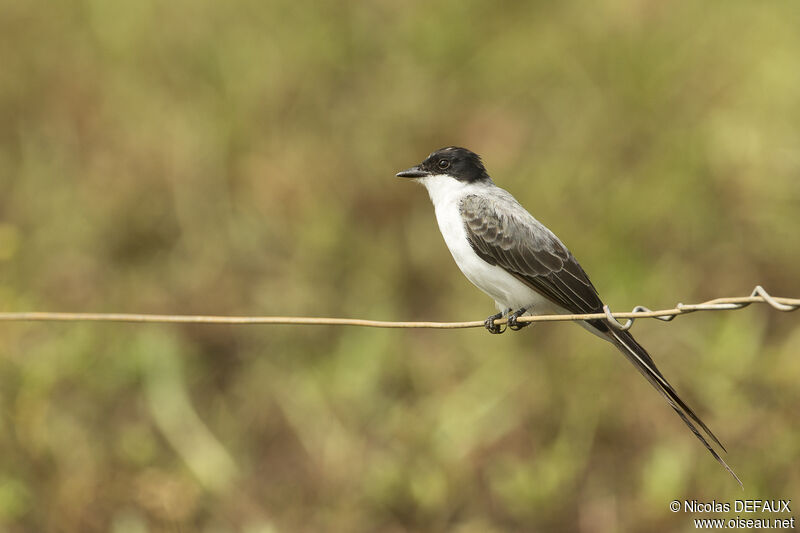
{"x": 238, "y": 158}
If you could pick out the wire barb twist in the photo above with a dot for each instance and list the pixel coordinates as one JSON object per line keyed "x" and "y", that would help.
{"x": 720, "y": 304}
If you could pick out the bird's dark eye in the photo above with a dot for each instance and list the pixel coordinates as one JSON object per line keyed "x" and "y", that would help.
{"x": 444, "y": 164}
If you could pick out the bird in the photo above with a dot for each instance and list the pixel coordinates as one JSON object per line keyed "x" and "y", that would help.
{"x": 518, "y": 262}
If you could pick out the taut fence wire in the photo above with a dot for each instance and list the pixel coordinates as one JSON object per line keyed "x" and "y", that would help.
{"x": 759, "y": 295}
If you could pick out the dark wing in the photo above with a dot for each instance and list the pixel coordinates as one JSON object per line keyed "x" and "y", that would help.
{"x": 502, "y": 233}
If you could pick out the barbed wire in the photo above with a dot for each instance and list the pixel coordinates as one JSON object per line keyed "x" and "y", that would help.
{"x": 759, "y": 295}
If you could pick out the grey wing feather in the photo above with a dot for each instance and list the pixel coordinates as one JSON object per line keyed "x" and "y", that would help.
{"x": 503, "y": 233}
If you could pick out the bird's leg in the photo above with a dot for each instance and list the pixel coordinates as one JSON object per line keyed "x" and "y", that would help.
{"x": 512, "y": 319}
{"x": 495, "y": 328}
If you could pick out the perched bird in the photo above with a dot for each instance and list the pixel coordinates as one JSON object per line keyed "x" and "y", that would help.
{"x": 522, "y": 265}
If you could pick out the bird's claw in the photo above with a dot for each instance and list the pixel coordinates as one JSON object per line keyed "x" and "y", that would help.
{"x": 512, "y": 320}
{"x": 493, "y": 328}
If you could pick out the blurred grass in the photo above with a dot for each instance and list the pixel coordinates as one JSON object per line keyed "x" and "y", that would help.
{"x": 200, "y": 157}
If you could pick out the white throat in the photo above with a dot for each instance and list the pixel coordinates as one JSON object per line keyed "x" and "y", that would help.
{"x": 444, "y": 189}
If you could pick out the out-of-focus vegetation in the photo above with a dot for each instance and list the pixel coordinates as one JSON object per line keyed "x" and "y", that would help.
{"x": 238, "y": 158}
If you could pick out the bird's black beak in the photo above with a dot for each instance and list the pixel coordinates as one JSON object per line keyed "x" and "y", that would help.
{"x": 413, "y": 172}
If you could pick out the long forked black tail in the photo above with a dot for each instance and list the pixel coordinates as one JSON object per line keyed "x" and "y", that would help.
{"x": 637, "y": 355}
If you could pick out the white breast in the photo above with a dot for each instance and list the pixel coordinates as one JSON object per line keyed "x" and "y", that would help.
{"x": 506, "y": 290}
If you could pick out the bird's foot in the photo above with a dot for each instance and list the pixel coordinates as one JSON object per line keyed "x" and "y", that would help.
{"x": 491, "y": 327}
{"x": 512, "y": 320}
